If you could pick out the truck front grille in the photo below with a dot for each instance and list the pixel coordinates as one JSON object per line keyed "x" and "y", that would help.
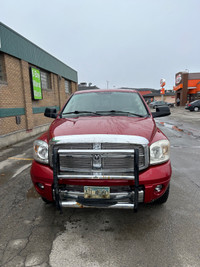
{"x": 101, "y": 160}
{"x": 108, "y": 161}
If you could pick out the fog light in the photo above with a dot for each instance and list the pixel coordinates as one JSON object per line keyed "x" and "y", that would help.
{"x": 158, "y": 188}
{"x": 41, "y": 186}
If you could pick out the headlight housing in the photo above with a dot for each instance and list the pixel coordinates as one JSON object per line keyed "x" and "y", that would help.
{"x": 40, "y": 151}
{"x": 159, "y": 152}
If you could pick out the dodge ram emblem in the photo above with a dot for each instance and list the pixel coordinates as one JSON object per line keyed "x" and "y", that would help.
{"x": 96, "y": 157}
{"x": 96, "y": 161}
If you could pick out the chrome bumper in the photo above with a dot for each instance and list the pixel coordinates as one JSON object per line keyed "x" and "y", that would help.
{"x": 74, "y": 204}
{"x": 122, "y": 200}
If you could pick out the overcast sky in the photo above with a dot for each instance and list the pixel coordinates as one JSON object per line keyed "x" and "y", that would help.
{"x": 122, "y": 43}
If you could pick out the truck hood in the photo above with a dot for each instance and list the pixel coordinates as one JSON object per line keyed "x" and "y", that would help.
{"x": 122, "y": 125}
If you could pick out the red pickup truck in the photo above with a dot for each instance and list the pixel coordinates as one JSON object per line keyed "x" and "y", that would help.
{"x": 103, "y": 150}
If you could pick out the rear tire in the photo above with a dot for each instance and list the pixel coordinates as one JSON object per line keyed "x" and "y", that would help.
{"x": 163, "y": 198}
{"x": 196, "y": 109}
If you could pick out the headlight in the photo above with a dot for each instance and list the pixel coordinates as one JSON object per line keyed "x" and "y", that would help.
{"x": 159, "y": 152}
{"x": 40, "y": 151}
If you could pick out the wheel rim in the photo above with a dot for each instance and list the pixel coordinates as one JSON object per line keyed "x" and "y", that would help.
{"x": 196, "y": 109}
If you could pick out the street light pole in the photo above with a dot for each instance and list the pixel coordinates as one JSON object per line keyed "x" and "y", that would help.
{"x": 107, "y": 83}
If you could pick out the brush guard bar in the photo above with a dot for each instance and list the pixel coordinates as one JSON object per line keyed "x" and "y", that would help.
{"x": 100, "y": 203}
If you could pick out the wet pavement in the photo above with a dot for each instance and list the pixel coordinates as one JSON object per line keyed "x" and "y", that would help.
{"x": 182, "y": 120}
{"x": 19, "y": 155}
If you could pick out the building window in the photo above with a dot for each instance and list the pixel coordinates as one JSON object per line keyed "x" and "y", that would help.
{"x": 68, "y": 89}
{"x": 45, "y": 80}
{"x": 2, "y": 68}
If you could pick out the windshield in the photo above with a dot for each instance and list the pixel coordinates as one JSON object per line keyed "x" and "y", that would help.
{"x": 105, "y": 103}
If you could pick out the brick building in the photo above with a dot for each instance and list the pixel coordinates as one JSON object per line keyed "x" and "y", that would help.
{"x": 21, "y": 110}
{"x": 187, "y": 86}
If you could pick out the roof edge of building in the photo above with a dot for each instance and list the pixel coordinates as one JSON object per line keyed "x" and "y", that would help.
{"x": 18, "y": 46}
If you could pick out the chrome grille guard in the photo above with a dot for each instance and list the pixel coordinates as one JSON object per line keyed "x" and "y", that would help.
{"x": 57, "y": 176}
{"x": 56, "y": 151}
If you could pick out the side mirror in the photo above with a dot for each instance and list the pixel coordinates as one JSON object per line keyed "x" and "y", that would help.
{"x": 50, "y": 112}
{"x": 161, "y": 111}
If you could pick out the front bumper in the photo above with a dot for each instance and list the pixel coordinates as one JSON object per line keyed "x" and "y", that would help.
{"x": 123, "y": 199}
{"x": 148, "y": 180}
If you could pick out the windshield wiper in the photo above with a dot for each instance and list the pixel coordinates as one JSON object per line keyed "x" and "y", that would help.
{"x": 80, "y": 112}
{"x": 123, "y": 112}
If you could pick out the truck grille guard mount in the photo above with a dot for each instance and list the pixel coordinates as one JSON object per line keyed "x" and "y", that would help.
{"x": 56, "y": 176}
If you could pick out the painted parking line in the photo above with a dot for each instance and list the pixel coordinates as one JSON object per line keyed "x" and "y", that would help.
{"x": 20, "y": 170}
{"x": 14, "y": 158}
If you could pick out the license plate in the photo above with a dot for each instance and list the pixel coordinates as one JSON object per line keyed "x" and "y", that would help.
{"x": 96, "y": 192}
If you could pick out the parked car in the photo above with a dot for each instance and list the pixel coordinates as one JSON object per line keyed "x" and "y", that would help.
{"x": 193, "y": 106}
{"x": 155, "y": 104}
{"x": 105, "y": 150}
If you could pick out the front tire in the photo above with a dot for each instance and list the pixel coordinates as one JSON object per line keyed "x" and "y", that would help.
{"x": 46, "y": 200}
{"x": 163, "y": 198}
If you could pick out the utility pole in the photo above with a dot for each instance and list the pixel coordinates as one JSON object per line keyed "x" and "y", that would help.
{"x": 107, "y": 82}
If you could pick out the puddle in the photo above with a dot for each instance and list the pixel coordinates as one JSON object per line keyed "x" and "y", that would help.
{"x": 32, "y": 193}
{"x": 192, "y": 132}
